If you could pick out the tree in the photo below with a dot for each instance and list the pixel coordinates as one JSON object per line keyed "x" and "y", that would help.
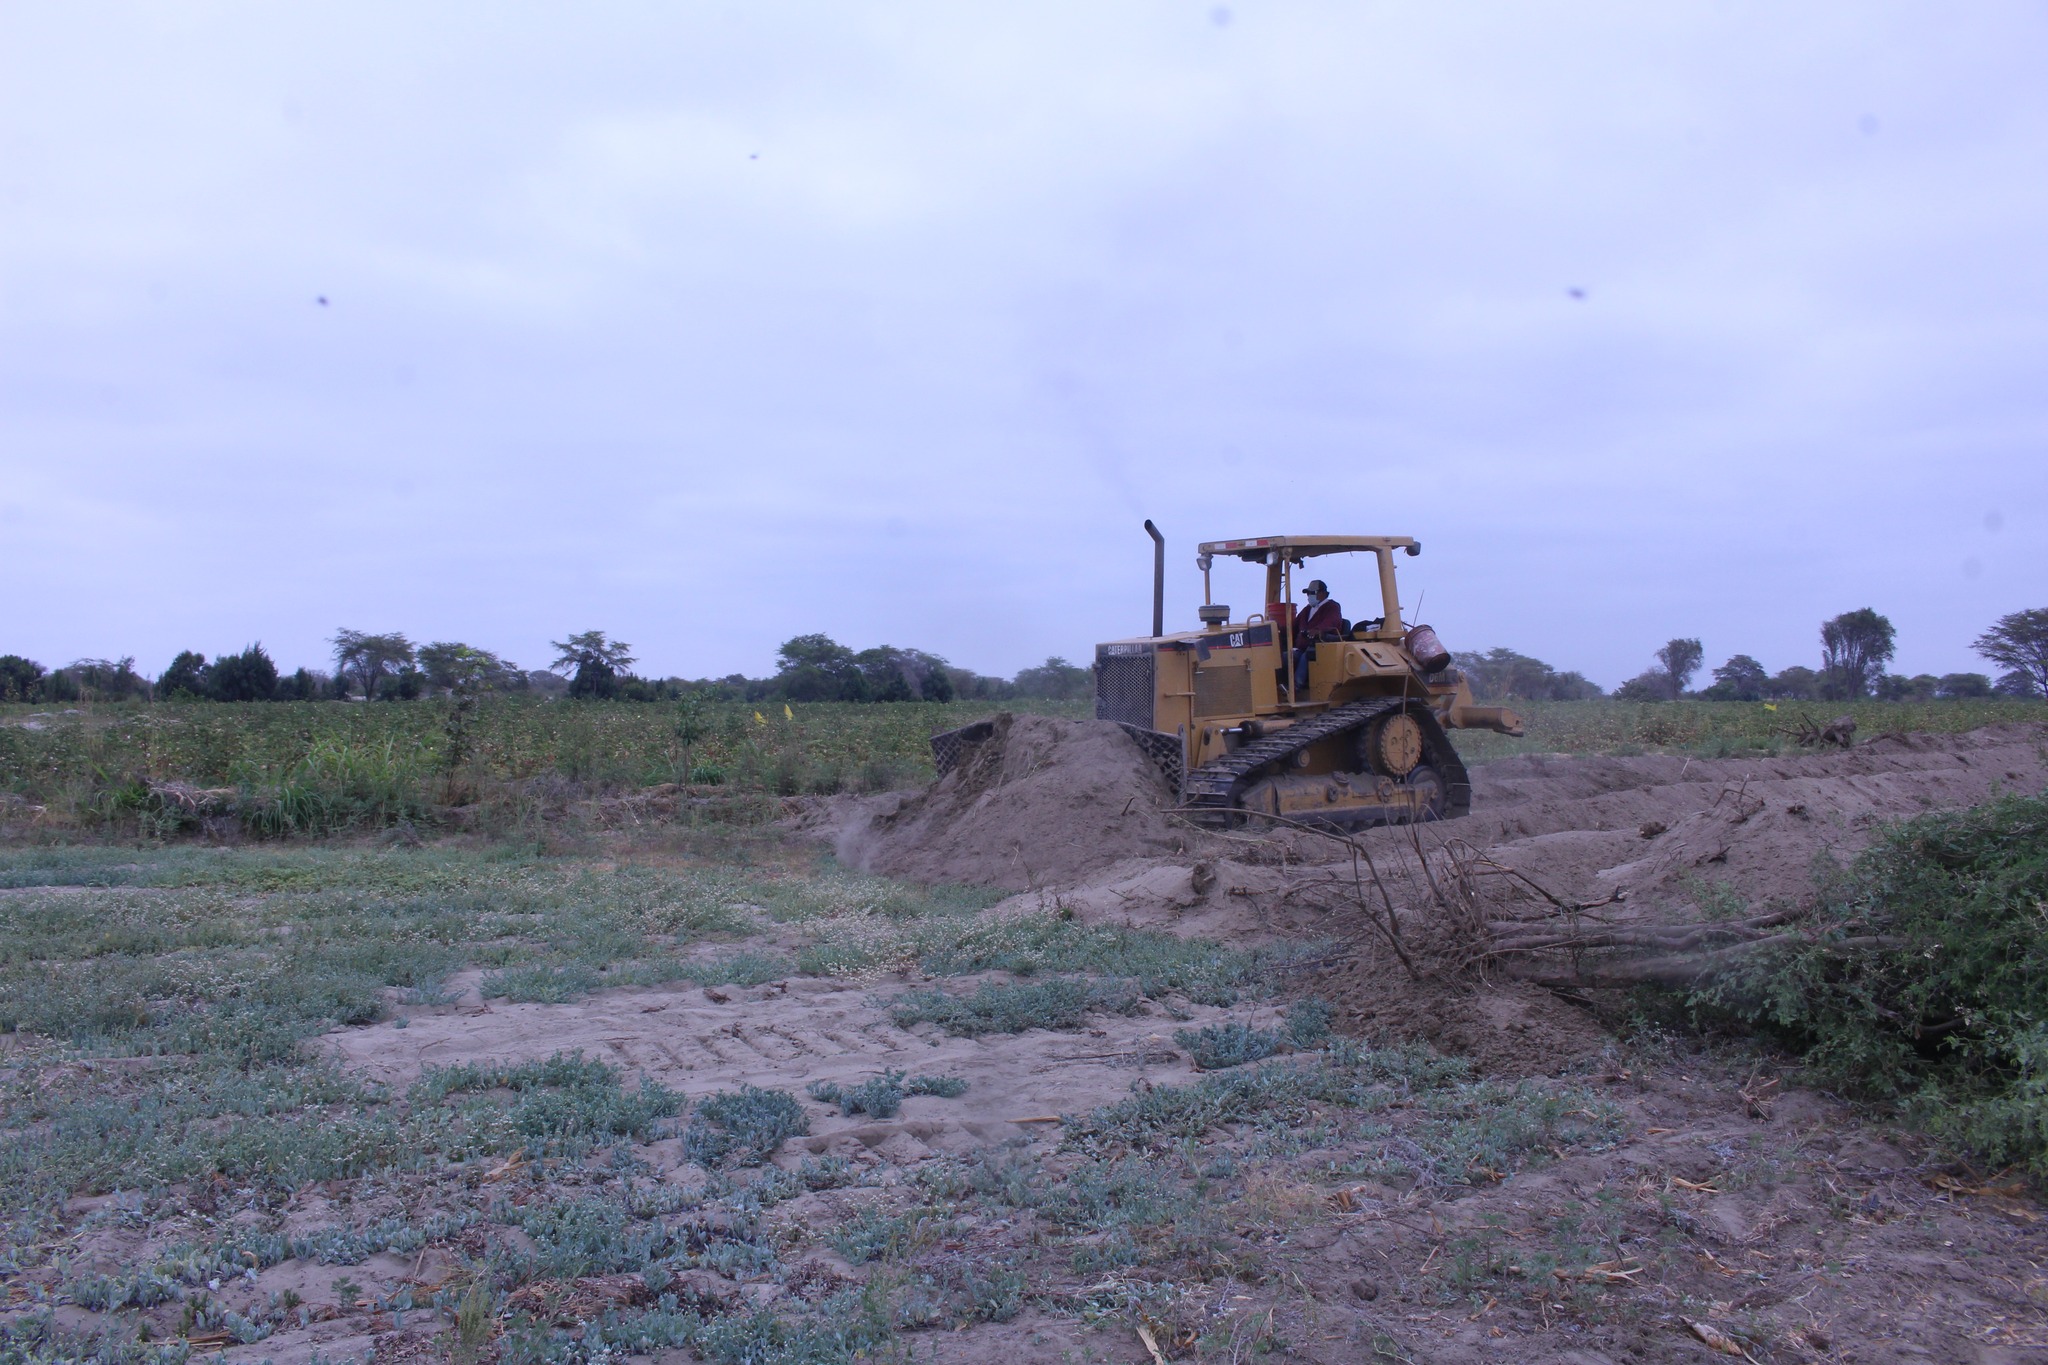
{"x": 1740, "y": 679}
{"x": 892, "y": 674}
{"x": 107, "y": 679}
{"x": 1652, "y": 684}
{"x": 1959, "y": 686}
{"x": 1572, "y": 685}
{"x": 937, "y": 682}
{"x": 968, "y": 685}
{"x": 451, "y": 666}
{"x": 304, "y": 685}
{"x": 593, "y": 662}
{"x": 405, "y": 685}
{"x": 1055, "y": 679}
{"x": 1855, "y": 647}
{"x": 1899, "y": 687}
{"x": 692, "y": 724}
{"x": 1681, "y": 659}
{"x": 2013, "y": 684}
{"x": 187, "y": 679}
{"x": 1796, "y": 683}
{"x": 367, "y": 659}
{"x": 884, "y": 675}
{"x": 20, "y": 679}
{"x": 1504, "y": 675}
{"x": 2019, "y": 642}
{"x": 248, "y": 676}
{"x": 818, "y": 668}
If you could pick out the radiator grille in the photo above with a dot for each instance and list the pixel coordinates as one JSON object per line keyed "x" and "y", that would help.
{"x": 1123, "y": 686}
{"x": 950, "y": 746}
{"x": 1223, "y": 691}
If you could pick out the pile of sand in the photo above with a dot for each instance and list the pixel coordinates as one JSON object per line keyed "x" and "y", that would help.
{"x": 1664, "y": 831}
{"x": 1040, "y": 802}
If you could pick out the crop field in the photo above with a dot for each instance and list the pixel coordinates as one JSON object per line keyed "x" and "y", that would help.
{"x": 325, "y": 767}
{"x": 1725, "y": 729}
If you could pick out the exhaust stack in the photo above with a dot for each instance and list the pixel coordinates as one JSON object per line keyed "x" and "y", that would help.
{"x": 1158, "y": 579}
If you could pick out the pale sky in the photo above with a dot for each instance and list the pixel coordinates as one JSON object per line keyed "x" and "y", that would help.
{"x": 707, "y": 325}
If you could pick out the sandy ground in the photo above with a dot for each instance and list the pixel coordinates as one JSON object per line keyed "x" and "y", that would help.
{"x": 788, "y": 1034}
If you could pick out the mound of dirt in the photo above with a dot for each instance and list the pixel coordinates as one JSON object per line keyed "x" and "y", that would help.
{"x": 1504, "y": 1028}
{"x": 1664, "y": 831}
{"x": 1040, "y": 802}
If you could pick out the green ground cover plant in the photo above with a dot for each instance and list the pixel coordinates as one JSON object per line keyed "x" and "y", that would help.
{"x": 1923, "y": 978}
{"x": 1216, "y": 1046}
{"x": 1060, "y": 1002}
{"x": 882, "y": 1096}
{"x": 746, "y": 1124}
{"x": 1181, "y": 1183}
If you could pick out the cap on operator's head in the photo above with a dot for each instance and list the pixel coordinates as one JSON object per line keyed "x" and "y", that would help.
{"x": 1318, "y": 587}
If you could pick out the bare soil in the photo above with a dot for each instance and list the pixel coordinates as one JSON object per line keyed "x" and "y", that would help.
{"x": 1041, "y": 804}
{"x": 788, "y": 1034}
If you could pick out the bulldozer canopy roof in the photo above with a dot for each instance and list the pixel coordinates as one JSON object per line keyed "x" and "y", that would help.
{"x": 1303, "y": 547}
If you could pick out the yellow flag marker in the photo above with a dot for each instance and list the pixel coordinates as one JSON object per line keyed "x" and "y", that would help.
{"x": 760, "y": 719}
{"x": 787, "y": 714}
{"x": 1770, "y": 706}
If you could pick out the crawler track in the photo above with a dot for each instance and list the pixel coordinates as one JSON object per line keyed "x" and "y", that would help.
{"x": 1213, "y": 790}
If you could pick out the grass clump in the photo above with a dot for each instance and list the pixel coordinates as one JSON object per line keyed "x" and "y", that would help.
{"x": 874, "y": 1235}
{"x": 566, "y": 1103}
{"x": 1217, "y": 1046}
{"x": 747, "y": 1124}
{"x": 1014, "y": 1007}
{"x": 882, "y": 1096}
{"x": 542, "y": 983}
{"x": 1925, "y": 978}
{"x": 1481, "y": 1132}
{"x": 1440, "y": 1126}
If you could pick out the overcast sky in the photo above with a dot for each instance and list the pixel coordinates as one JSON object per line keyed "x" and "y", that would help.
{"x": 707, "y": 325}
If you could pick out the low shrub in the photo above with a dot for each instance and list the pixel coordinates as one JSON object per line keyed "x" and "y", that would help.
{"x": 1924, "y": 978}
{"x": 1062, "y": 1002}
{"x": 882, "y": 1096}
{"x": 1217, "y": 1046}
{"x": 747, "y": 1124}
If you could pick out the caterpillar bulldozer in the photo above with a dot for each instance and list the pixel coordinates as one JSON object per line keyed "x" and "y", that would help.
{"x": 1249, "y": 718}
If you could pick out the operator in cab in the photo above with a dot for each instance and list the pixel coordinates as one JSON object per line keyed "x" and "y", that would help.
{"x": 1320, "y": 618}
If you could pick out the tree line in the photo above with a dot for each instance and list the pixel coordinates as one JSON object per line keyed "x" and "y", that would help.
{"x": 587, "y": 665}
{"x": 1855, "y": 648}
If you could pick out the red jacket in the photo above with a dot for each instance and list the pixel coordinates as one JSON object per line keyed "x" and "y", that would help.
{"x": 1310, "y": 624}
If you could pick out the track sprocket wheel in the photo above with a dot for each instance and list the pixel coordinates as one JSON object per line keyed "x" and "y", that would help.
{"x": 1394, "y": 745}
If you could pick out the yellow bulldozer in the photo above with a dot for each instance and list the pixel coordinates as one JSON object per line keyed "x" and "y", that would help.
{"x": 1250, "y": 716}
